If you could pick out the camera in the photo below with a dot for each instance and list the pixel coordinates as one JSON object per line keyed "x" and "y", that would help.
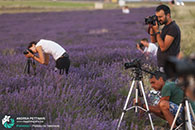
{"x": 152, "y": 20}
{"x": 141, "y": 46}
{"x": 27, "y": 50}
{"x": 175, "y": 67}
{"x": 134, "y": 64}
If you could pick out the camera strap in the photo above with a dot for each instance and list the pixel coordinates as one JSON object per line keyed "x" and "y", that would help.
{"x": 149, "y": 29}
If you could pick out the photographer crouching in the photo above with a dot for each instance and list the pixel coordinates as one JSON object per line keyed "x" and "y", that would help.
{"x": 168, "y": 39}
{"x": 148, "y": 48}
{"x": 171, "y": 97}
{"x": 44, "y": 48}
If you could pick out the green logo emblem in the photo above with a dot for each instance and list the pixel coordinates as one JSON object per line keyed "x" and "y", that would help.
{"x": 7, "y": 122}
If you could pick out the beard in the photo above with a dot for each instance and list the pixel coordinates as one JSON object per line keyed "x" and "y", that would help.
{"x": 165, "y": 21}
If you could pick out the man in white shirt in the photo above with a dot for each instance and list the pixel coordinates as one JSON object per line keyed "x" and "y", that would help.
{"x": 44, "y": 48}
{"x": 150, "y": 48}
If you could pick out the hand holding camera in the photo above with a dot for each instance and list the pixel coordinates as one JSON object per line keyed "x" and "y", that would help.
{"x": 151, "y": 20}
{"x": 156, "y": 28}
{"x": 28, "y": 53}
{"x": 140, "y": 46}
{"x": 153, "y": 23}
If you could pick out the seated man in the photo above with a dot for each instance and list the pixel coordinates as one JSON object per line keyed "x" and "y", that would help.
{"x": 171, "y": 97}
{"x": 150, "y": 48}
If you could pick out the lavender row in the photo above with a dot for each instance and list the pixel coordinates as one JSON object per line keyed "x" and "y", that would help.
{"x": 93, "y": 94}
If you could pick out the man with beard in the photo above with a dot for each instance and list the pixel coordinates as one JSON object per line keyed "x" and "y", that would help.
{"x": 168, "y": 38}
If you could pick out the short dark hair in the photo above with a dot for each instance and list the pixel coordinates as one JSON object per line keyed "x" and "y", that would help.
{"x": 158, "y": 74}
{"x": 31, "y": 43}
{"x": 144, "y": 39}
{"x": 165, "y": 8}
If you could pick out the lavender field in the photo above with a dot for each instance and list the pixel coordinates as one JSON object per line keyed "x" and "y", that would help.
{"x": 92, "y": 96}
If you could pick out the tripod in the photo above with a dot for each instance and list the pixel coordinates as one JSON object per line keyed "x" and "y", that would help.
{"x": 27, "y": 66}
{"x": 138, "y": 79}
{"x": 187, "y": 108}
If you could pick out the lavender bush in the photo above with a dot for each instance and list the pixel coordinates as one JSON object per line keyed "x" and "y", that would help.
{"x": 92, "y": 96}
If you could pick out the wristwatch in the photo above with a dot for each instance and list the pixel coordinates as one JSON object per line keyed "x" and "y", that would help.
{"x": 158, "y": 32}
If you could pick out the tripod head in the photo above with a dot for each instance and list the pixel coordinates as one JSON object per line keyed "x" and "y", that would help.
{"x": 137, "y": 68}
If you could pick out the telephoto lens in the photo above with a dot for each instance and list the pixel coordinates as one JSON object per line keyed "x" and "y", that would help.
{"x": 133, "y": 64}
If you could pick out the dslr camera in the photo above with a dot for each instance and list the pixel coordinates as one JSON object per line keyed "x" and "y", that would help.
{"x": 27, "y": 51}
{"x": 134, "y": 64}
{"x": 151, "y": 20}
{"x": 141, "y": 45}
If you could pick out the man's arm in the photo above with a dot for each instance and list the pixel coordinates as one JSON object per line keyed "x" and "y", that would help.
{"x": 165, "y": 98}
{"x": 180, "y": 55}
{"x": 156, "y": 109}
{"x": 164, "y": 45}
{"x": 41, "y": 58}
{"x": 138, "y": 47}
{"x": 152, "y": 34}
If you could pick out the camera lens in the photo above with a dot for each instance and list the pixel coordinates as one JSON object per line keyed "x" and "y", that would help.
{"x": 28, "y": 50}
{"x": 25, "y": 52}
{"x": 151, "y": 20}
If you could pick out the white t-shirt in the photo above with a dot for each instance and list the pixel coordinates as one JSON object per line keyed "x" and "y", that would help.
{"x": 125, "y": 11}
{"x": 152, "y": 49}
{"x": 52, "y": 48}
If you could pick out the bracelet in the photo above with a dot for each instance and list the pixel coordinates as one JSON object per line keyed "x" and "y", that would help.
{"x": 158, "y": 33}
{"x": 33, "y": 56}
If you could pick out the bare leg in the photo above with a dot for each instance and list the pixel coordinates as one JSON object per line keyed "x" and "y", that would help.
{"x": 164, "y": 107}
{"x": 157, "y": 111}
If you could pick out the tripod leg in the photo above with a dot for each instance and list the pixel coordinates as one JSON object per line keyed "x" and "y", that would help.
{"x": 28, "y": 66}
{"x": 136, "y": 98}
{"x": 192, "y": 112}
{"x": 25, "y": 67}
{"x": 177, "y": 113}
{"x": 125, "y": 106}
{"x": 189, "y": 122}
{"x": 34, "y": 67}
{"x": 147, "y": 108}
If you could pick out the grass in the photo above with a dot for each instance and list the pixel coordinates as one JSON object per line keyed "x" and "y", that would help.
{"x": 31, "y": 3}
{"x": 41, "y": 6}
{"x": 185, "y": 17}
{"x": 17, "y": 6}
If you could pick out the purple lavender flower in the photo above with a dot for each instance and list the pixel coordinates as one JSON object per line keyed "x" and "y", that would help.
{"x": 92, "y": 96}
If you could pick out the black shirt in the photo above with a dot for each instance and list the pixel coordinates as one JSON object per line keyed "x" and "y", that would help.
{"x": 173, "y": 30}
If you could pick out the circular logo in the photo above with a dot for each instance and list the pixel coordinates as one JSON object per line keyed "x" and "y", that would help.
{"x": 7, "y": 122}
